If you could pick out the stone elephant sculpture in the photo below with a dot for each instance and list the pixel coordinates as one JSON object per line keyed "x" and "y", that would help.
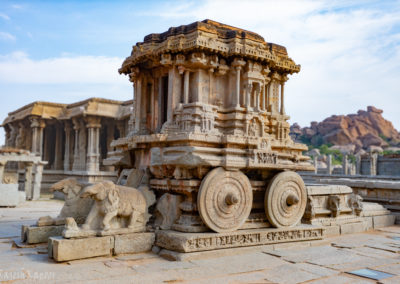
{"x": 113, "y": 200}
{"x": 74, "y": 206}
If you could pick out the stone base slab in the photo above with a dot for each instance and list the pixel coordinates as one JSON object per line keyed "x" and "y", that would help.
{"x": 71, "y": 249}
{"x": 62, "y": 249}
{"x": 36, "y": 235}
{"x": 383, "y": 221}
{"x": 193, "y": 242}
{"x": 133, "y": 243}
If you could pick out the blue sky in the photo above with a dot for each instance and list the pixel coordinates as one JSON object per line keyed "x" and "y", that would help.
{"x": 65, "y": 51}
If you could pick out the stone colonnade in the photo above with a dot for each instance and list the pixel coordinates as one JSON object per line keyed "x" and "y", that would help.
{"x": 77, "y": 144}
{"x": 194, "y": 78}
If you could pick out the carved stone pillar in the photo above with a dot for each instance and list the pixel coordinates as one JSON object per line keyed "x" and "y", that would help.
{"x": 249, "y": 88}
{"x": 2, "y": 166}
{"x": 13, "y": 135}
{"x": 263, "y": 98}
{"x": 171, "y": 87}
{"x": 284, "y": 79}
{"x": 67, "y": 129}
{"x": 186, "y": 87}
{"x": 138, "y": 106}
{"x": 373, "y": 164}
{"x": 37, "y": 126}
{"x": 28, "y": 181}
{"x": 76, "y": 162}
{"x": 257, "y": 95}
{"x": 93, "y": 154}
{"x": 358, "y": 165}
{"x": 345, "y": 165}
{"x": 82, "y": 144}
{"x": 37, "y": 180}
{"x": 238, "y": 69}
{"x": 41, "y": 133}
{"x": 58, "y": 165}
{"x": 238, "y": 65}
{"x": 329, "y": 162}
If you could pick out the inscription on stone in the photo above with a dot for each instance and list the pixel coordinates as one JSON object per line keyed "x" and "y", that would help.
{"x": 265, "y": 158}
{"x": 198, "y": 242}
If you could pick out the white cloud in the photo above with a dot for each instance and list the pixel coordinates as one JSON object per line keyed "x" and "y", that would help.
{"x": 18, "y": 6}
{"x": 17, "y": 67}
{"x": 7, "y": 36}
{"x": 4, "y": 16}
{"x": 349, "y": 52}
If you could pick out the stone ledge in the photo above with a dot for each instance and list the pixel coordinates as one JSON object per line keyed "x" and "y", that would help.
{"x": 193, "y": 242}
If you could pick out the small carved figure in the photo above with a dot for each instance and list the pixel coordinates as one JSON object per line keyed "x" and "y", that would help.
{"x": 334, "y": 205}
{"x": 113, "y": 200}
{"x": 74, "y": 206}
{"x": 355, "y": 203}
{"x": 310, "y": 208}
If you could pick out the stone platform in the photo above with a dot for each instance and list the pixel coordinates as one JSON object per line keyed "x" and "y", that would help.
{"x": 320, "y": 261}
{"x": 194, "y": 242}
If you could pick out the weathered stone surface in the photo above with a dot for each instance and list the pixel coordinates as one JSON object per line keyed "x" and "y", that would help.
{"x": 167, "y": 211}
{"x": 383, "y": 221}
{"x": 35, "y": 235}
{"x": 331, "y": 231}
{"x": 341, "y": 279}
{"x": 282, "y": 274}
{"x": 70, "y": 249}
{"x": 9, "y": 195}
{"x": 133, "y": 243}
{"x": 352, "y": 228}
{"x": 189, "y": 242}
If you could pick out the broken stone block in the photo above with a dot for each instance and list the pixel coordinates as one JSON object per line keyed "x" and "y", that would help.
{"x": 36, "y": 235}
{"x": 71, "y": 249}
{"x": 134, "y": 243}
{"x": 9, "y": 195}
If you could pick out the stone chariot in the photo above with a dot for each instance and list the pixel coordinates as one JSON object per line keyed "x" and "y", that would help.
{"x": 210, "y": 126}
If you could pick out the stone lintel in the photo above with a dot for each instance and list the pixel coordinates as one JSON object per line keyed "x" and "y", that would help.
{"x": 191, "y": 242}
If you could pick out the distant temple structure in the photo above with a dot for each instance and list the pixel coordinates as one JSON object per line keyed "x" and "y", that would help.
{"x": 73, "y": 138}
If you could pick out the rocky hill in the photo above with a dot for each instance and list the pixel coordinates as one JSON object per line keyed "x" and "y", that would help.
{"x": 361, "y": 131}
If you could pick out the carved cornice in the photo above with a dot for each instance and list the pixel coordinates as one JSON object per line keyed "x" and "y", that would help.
{"x": 213, "y": 37}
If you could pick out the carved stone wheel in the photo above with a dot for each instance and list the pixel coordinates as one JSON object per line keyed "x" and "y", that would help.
{"x": 285, "y": 199}
{"x": 224, "y": 200}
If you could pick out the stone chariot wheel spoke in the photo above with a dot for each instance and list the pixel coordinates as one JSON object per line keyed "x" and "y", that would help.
{"x": 224, "y": 200}
{"x": 285, "y": 199}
